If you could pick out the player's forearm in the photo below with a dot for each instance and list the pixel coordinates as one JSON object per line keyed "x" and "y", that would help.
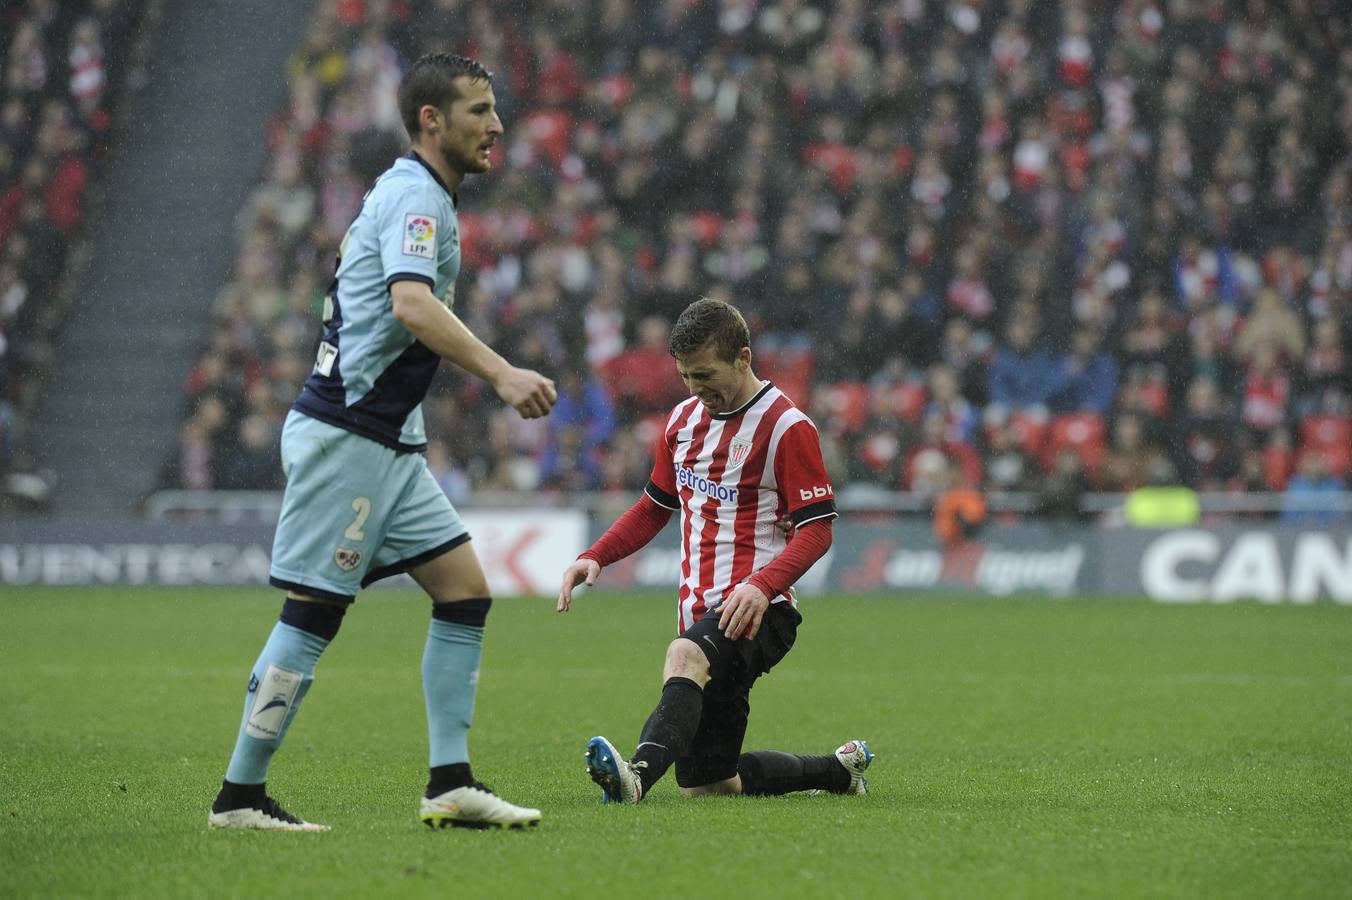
{"x": 631, "y": 532}
{"x": 442, "y": 332}
{"x": 808, "y": 545}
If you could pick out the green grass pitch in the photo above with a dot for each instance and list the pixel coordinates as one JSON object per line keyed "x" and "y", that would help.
{"x": 1026, "y": 748}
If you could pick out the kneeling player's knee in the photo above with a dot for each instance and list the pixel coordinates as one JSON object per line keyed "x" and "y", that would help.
{"x": 686, "y": 659}
{"x": 318, "y": 617}
{"x": 472, "y": 612}
{"x": 731, "y": 785}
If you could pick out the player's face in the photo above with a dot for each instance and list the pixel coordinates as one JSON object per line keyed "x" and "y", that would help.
{"x": 720, "y": 385}
{"x": 472, "y": 127}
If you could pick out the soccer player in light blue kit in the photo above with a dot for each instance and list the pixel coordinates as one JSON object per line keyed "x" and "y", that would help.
{"x": 360, "y": 503}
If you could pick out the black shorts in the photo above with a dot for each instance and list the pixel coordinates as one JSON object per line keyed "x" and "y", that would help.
{"x": 734, "y": 667}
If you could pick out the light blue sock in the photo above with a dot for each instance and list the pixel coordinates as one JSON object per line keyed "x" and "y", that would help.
{"x": 450, "y": 673}
{"x": 280, "y": 680}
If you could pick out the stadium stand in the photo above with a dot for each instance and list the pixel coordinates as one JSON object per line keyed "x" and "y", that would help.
{"x": 1112, "y": 228}
{"x": 62, "y": 68}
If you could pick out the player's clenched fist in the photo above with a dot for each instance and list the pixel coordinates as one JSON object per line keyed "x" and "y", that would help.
{"x": 528, "y": 392}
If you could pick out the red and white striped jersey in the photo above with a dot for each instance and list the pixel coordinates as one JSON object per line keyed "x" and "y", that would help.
{"x": 735, "y": 477}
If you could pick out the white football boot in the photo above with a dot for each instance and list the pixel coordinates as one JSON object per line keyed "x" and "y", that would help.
{"x": 616, "y": 775}
{"x": 267, "y": 815}
{"x": 855, "y": 756}
{"x": 474, "y": 806}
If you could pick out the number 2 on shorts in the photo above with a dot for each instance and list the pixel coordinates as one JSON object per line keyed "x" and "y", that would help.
{"x": 362, "y": 507}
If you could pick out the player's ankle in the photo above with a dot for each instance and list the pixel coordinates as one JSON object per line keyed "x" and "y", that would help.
{"x": 441, "y": 779}
{"x": 238, "y": 796}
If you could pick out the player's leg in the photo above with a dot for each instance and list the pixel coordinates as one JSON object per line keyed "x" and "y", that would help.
{"x": 715, "y": 763}
{"x": 430, "y": 542}
{"x": 709, "y": 765}
{"x": 673, "y": 723}
{"x": 451, "y": 659}
{"x": 279, "y": 681}
{"x": 771, "y": 772}
{"x": 330, "y": 519}
{"x": 666, "y": 734}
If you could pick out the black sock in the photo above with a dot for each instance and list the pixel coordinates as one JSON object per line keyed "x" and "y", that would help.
{"x": 768, "y": 773}
{"x": 239, "y": 796}
{"x": 441, "y": 779}
{"x": 669, "y": 730}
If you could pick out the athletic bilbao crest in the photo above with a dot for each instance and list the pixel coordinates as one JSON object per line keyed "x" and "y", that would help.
{"x": 347, "y": 558}
{"x": 738, "y": 451}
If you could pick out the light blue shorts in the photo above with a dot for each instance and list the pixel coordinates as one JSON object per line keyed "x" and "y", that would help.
{"x": 354, "y": 512}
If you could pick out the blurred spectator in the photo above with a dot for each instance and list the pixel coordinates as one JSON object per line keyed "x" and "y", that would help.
{"x": 881, "y": 442}
{"x": 1009, "y": 467}
{"x": 1150, "y": 333}
{"x": 1322, "y": 372}
{"x": 583, "y": 404}
{"x": 1271, "y": 323}
{"x": 1267, "y": 390}
{"x": 921, "y": 473}
{"x": 947, "y": 403}
{"x": 254, "y": 463}
{"x": 1205, "y": 439}
{"x": 1060, "y": 492}
{"x": 959, "y": 510}
{"x": 643, "y": 378}
{"x": 1023, "y": 374}
{"x": 1313, "y": 496}
{"x": 1251, "y": 477}
{"x": 1087, "y": 380}
{"x": 927, "y": 474}
{"x": 966, "y": 350}
{"x": 569, "y": 463}
{"x": 453, "y": 480}
{"x": 1130, "y": 457}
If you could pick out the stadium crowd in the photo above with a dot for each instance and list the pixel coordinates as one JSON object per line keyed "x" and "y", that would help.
{"x": 1061, "y": 245}
{"x": 61, "y": 64}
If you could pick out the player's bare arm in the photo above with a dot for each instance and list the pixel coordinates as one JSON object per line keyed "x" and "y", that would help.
{"x": 742, "y": 612}
{"x": 440, "y": 330}
{"x": 582, "y": 570}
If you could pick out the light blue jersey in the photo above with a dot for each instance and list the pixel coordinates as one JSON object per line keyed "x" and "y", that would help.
{"x": 371, "y": 374}
{"x": 360, "y": 503}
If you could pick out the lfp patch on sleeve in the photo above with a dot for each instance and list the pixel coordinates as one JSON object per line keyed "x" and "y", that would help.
{"x": 420, "y": 234}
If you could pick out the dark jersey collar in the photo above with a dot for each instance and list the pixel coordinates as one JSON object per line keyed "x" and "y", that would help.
{"x": 413, "y": 155}
{"x": 745, "y": 406}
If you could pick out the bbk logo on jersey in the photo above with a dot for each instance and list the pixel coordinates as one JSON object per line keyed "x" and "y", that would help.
{"x": 419, "y": 236}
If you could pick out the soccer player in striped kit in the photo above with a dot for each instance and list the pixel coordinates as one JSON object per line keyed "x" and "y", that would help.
{"x": 744, "y": 467}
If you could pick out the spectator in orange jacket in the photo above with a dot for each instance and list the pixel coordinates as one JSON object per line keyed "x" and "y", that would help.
{"x": 960, "y": 511}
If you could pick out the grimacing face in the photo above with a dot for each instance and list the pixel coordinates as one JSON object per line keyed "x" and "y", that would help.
{"x": 717, "y": 383}
{"x": 470, "y": 127}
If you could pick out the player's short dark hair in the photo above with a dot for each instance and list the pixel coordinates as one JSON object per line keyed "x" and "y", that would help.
{"x": 710, "y": 320}
{"x": 430, "y": 81}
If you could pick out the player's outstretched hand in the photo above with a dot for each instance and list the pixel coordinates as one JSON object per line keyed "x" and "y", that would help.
{"x": 526, "y": 391}
{"x": 742, "y": 612}
{"x": 587, "y": 570}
